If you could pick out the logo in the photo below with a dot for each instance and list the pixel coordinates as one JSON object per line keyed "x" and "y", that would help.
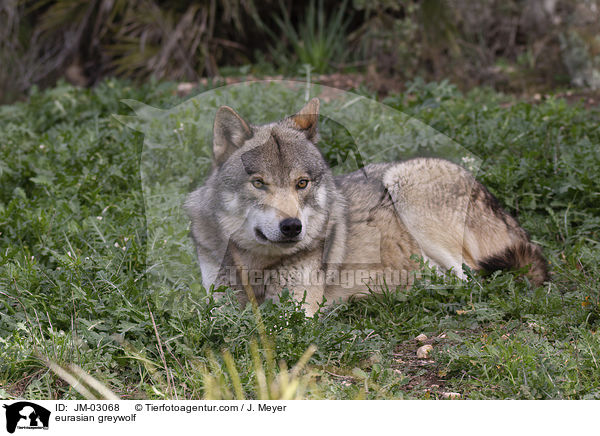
{"x": 26, "y": 415}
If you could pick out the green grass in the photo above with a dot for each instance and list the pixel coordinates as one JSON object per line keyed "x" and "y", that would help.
{"x": 94, "y": 247}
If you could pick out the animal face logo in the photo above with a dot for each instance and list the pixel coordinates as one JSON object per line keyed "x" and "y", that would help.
{"x": 24, "y": 414}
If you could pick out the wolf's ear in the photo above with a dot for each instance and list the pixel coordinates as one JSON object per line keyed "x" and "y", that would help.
{"x": 230, "y": 132}
{"x": 307, "y": 118}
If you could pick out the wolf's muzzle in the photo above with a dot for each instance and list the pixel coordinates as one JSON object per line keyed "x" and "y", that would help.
{"x": 290, "y": 227}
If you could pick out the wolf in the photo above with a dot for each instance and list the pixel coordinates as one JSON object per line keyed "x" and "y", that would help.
{"x": 271, "y": 215}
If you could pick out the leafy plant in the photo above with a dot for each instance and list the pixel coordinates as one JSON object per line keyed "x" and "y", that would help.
{"x": 319, "y": 40}
{"x": 86, "y": 40}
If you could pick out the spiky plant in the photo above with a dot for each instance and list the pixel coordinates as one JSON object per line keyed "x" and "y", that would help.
{"x": 318, "y": 40}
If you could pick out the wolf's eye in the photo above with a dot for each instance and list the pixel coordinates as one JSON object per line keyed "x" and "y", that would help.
{"x": 302, "y": 184}
{"x": 258, "y": 183}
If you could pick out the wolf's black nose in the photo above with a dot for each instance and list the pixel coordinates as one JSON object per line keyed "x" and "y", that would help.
{"x": 290, "y": 227}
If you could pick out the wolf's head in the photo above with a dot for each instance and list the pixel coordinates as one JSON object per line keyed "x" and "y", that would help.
{"x": 273, "y": 181}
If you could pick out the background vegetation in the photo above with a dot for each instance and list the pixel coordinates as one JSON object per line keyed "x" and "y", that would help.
{"x": 512, "y": 45}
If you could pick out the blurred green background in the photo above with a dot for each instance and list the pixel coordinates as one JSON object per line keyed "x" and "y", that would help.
{"x": 523, "y": 46}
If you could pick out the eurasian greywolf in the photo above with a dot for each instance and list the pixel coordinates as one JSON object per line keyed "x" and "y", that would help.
{"x": 271, "y": 215}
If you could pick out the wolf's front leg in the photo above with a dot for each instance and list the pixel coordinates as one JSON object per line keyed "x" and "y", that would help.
{"x": 314, "y": 297}
{"x": 305, "y": 282}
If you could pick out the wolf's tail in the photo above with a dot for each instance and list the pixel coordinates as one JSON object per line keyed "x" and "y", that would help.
{"x": 518, "y": 256}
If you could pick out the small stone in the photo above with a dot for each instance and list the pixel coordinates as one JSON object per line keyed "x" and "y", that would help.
{"x": 421, "y": 338}
{"x": 185, "y": 88}
{"x": 424, "y": 351}
{"x": 451, "y": 395}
